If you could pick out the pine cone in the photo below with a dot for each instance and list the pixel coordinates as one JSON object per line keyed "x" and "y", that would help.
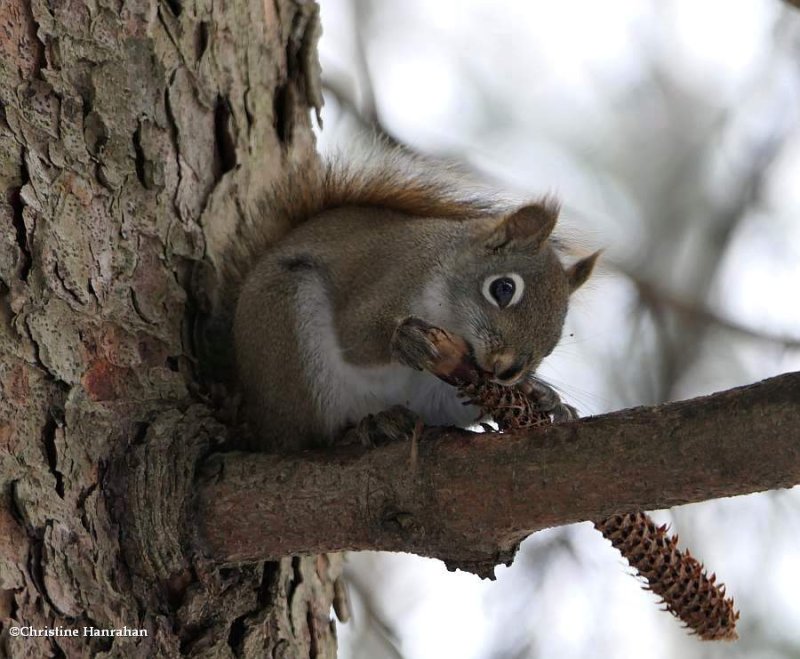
{"x": 676, "y": 576}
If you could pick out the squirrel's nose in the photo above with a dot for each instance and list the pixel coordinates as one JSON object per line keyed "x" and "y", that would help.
{"x": 508, "y": 369}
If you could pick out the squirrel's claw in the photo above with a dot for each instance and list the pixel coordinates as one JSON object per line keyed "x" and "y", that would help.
{"x": 548, "y": 400}
{"x": 398, "y": 423}
{"x": 563, "y": 412}
{"x": 412, "y": 345}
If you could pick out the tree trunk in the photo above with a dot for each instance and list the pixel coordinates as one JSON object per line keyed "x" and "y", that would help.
{"x": 133, "y": 137}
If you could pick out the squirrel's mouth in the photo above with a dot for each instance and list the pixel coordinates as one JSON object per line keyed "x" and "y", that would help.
{"x": 509, "y": 379}
{"x": 505, "y": 368}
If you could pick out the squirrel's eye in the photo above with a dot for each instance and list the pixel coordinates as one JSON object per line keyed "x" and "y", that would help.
{"x": 503, "y": 290}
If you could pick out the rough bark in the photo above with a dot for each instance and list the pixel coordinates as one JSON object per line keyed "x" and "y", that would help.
{"x": 132, "y": 137}
{"x": 470, "y": 498}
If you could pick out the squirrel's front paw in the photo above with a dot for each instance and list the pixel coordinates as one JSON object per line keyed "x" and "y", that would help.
{"x": 396, "y": 423}
{"x": 548, "y": 400}
{"x": 413, "y": 345}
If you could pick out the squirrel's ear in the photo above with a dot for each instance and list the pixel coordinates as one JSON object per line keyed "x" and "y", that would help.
{"x": 579, "y": 272}
{"x": 526, "y": 228}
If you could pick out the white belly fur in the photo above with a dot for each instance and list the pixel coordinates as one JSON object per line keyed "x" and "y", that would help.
{"x": 345, "y": 393}
{"x": 370, "y": 390}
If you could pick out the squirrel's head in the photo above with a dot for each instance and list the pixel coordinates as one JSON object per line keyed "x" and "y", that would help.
{"x": 508, "y": 295}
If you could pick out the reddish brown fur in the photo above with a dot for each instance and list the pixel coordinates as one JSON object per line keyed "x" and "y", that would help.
{"x": 394, "y": 180}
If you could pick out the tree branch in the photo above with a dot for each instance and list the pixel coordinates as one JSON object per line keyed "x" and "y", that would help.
{"x": 658, "y": 298}
{"x": 470, "y": 498}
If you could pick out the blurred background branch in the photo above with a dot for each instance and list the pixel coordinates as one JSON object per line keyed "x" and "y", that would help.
{"x": 660, "y": 302}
